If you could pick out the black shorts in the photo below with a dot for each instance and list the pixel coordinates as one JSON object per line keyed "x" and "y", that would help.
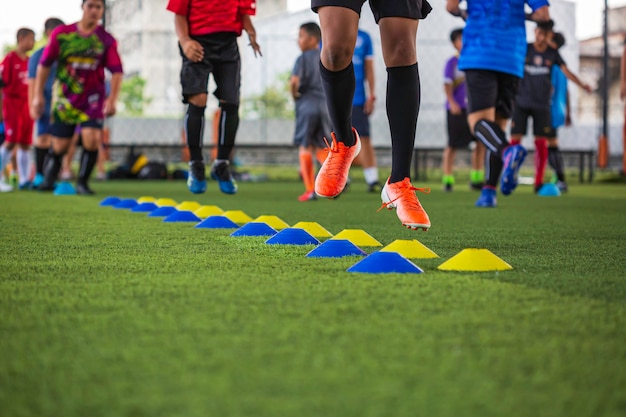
{"x": 361, "y": 121}
{"x": 486, "y": 89}
{"x": 221, "y": 58}
{"x": 65, "y": 131}
{"x": 412, "y": 9}
{"x": 459, "y": 135}
{"x": 542, "y": 122}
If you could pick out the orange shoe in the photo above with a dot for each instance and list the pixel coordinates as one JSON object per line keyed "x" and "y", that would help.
{"x": 332, "y": 177}
{"x": 401, "y": 195}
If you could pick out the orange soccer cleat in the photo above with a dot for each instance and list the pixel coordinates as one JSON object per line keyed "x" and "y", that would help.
{"x": 332, "y": 177}
{"x": 401, "y": 196}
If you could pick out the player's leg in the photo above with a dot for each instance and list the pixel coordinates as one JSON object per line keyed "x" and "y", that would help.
{"x": 11, "y": 125}
{"x": 227, "y": 75}
{"x": 61, "y": 139}
{"x": 339, "y": 21}
{"x": 23, "y": 154}
{"x": 555, "y": 159}
{"x": 398, "y": 37}
{"x": 42, "y": 145}
{"x": 477, "y": 172}
{"x": 542, "y": 122}
{"x": 91, "y": 132}
{"x": 68, "y": 158}
{"x": 448, "y": 162}
{"x": 194, "y": 78}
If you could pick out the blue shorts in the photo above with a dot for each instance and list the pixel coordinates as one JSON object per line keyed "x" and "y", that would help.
{"x": 43, "y": 125}
{"x": 65, "y": 131}
{"x": 361, "y": 121}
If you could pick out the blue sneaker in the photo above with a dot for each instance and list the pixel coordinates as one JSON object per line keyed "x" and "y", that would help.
{"x": 487, "y": 198}
{"x": 196, "y": 180}
{"x": 37, "y": 181}
{"x": 25, "y": 186}
{"x": 221, "y": 173}
{"x": 513, "y": 158}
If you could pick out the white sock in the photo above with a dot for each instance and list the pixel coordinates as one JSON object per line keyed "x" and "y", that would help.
{"x": 371, "y": 175}
{"x": 23, "y": 165}
{"x": 5, "y": 158}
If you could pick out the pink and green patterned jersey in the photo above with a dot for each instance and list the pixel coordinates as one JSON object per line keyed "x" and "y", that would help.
{"x": 81, "y": 60}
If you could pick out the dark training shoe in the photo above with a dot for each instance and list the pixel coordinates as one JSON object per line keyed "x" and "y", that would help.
{"x": 196, "y": 181}
{"x": 221, "y": 173}
{"x": 83, "y": 189}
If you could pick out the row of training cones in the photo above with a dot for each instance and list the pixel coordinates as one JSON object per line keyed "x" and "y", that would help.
{"x": 393, "y": 258}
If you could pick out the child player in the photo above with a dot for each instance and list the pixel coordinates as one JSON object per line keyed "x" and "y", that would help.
{"x": 15, "y": 110}
{"x": 82, "y": 51}
{"x": 312, "y": 122}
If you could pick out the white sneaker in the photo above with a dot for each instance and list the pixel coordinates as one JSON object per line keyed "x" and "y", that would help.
{"x": 5, "y": 188}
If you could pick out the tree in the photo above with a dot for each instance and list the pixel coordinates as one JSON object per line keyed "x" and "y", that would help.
{"x": 273, "y": 103}
{"x": 132, "y": 95}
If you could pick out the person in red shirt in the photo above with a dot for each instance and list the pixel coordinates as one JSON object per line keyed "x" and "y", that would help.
{"x": 207, "y": 33}
{"x": 15, "y": 108}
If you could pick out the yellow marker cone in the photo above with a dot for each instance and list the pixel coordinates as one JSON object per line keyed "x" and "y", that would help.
{"x": 358, "y": 237}
{"x": 207, "y": 211}
{"x": 146, "y": 199}
{"x": 165, "y": 202}
{"x": 411, "y": 249}
{"x": 274, "y": 221}
{"x": 188, "y": 206}
{"x": 237, "y": 216}
{"x": 475, "y": 260}
{"x": 314, "y": 229}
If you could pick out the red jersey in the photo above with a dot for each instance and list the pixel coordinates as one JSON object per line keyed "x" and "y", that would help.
{"x": 212, "y": 16}
{"x": 14, "y": 76}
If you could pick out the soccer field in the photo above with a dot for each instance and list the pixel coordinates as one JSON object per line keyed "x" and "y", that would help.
{"x": 105, "y": 312}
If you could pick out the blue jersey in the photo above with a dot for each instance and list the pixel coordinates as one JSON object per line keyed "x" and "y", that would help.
{"x": 363, "y": 50}
{"x": 559, "y": 97}
{"x": 494, "y": 37}
{"x": 33, "y": 62}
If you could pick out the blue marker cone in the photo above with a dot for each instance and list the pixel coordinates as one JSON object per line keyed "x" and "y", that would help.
{"x": 254, "y": 229}
{"x": 64, "y": 188}
{"x": 144, "y": 208}
{"x": 292, "y": 236}
{"x": 126, "y": 204}
{"x": 182, "y": 216}
{"x": 385, "y": 263}
{"x": 336, "y": 248}
{"x": 162, "y": 211}
{"x": 549, "y": 190}
{"x": 110, "y": 201}
{"x": 217, "y": 222}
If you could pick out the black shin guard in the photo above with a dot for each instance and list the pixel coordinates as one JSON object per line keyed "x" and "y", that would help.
{"x": 194, "y": 130}
{"x": 227, "y": 130}
{"x": 87, "y": 162}
{"x": 41, "y": 155}
{"x": 51, "y": 170}
{"x": 403, "y": 102}
{"x": 491, "y": 135}
{"x": 555, "y": 158}
{"x": 493, "y": 168}
{"x": 339, "y": 87}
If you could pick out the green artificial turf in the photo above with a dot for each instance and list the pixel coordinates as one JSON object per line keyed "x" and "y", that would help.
{"x": 105, "y": 312}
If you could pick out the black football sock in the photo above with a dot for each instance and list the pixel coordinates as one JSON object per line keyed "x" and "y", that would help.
{"x": 555, "y": 158}
{"x": 403, "y": 103}
{"x": 339, "y": 88}
{"x": 194, "y": 129}
{"x": 493, "y": 168}
{"x": 227, "y": 130}
{"x": 41, "y": 154}
{"x": 87, "y": 162}
{"x": 491, "y": 135}
{"x": 52, "y": 168}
